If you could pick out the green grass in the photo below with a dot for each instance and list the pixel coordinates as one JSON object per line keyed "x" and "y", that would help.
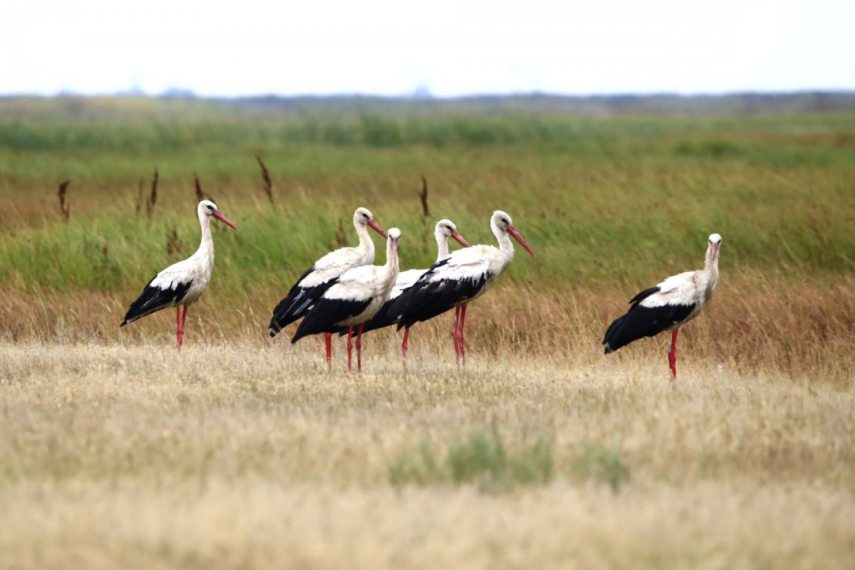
{"x": 483, "y": 458}
{"x": 601, "y": 200}
{"x": 602, "y": 464}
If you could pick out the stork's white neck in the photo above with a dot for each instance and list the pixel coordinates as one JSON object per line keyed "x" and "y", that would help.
{"x": 206, "y": 246}
{"x": 391, "y": 256}
{"x": 366, "y": 244}
{"x": 441, "y": 244}
{"x": 711, "y": 261}
{"x": 711, "y": 271}
{"x": 506, "y": 246}
{"x": 390, "y": 268}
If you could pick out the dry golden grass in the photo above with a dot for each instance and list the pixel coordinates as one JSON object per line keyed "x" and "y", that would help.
{"x": 756, "y": 322}
{"x": 247, "y": 456}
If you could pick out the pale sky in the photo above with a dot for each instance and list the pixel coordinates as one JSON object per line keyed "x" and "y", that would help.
{"x": 454, "y": 48}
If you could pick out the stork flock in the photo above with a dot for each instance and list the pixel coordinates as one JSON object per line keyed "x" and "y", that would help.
{"x": 342, "y": 293}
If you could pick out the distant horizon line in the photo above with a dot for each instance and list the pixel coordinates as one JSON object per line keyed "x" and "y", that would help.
{"x": 181, "y": 93}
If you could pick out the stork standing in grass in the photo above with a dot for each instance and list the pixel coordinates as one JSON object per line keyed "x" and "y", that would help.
{"x": 458, "y": 279}
{"x": 324, "y": 274}
{"x": 180, "y": 285}
{"x": 353, "y": 300}
{"x": 668, "y": 306}
{"x": 444, "y": 230}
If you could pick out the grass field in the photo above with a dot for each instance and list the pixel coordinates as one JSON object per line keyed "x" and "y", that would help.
{"x": 236, "y": 456}
{"x": 243, "y": 452}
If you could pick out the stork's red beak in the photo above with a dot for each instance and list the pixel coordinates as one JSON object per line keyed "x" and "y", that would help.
{"x": 518, "y": 236}
{"x": 222, "y": 218}
{"x": 459, "y": 239}
{"x": 377, "y": 228}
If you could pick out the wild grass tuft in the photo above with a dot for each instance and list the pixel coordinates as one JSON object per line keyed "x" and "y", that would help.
{"x": 602, "y": 464}
{"x": 483, "y": 458}
{"x": 415, "y": 468}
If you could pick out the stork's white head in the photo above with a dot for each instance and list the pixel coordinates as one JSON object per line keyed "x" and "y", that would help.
{"x": 714, "y": 245}
{"x": 363, "y": 217}
{"x": 501, "y": 222}
{"x": 208, "y": 208}
{"x": 393, "y": 237}
{"x": 446, "y": 229}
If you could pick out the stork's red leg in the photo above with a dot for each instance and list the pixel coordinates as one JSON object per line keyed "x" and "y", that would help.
{"x": 359, "y": 347}
{"x": 404, "y": 345}
{"x": 182, "y": 319}
{"x": 455, "y": 334}
{"x": 328, "y": 342}
{"x": 178, "y": 327}
{"x": 462, "y": 333}
{"x": 349, "y": 347}
{"x": 672, "y": 356}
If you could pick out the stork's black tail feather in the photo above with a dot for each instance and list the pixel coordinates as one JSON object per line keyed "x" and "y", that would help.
{"x": 297, "y": 303}
{"x": 641, "y": 321}
{"x": 153, "y": 299}
{"x": 289, "y": 310}
{"x": 428, "y": 299}
{"x": 610, "y": 340}
{"x": 324, "y": 316}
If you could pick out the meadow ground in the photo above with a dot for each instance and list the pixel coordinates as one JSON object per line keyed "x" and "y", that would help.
{"x": 243, "y": 452}
{"x": 244, "y": 456}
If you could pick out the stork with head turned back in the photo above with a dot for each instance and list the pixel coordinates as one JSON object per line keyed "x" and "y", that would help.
{"x": 458, "y": 279}
{"x": 353, "y": 300}
{"x": 324, "y": 274}
{"x": 444, "y": 230}
{"x": 667, "y": 306}
{"x": 182, "y": 283}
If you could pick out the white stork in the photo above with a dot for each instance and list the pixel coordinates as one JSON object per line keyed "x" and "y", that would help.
{"x": 668, "y": 306}
{"x": 324, "y": 274}
{"x": 458, "y": 279}
{"x": 353, "y": 300}
{"x": 444, "y": 230}
{"x": 181, "y": 284}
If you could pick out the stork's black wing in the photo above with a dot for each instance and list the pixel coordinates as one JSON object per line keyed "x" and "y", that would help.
{"x": 154, "y": 299}
{"x": 297, "y": 303}
{"x": 326, "y": 313}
